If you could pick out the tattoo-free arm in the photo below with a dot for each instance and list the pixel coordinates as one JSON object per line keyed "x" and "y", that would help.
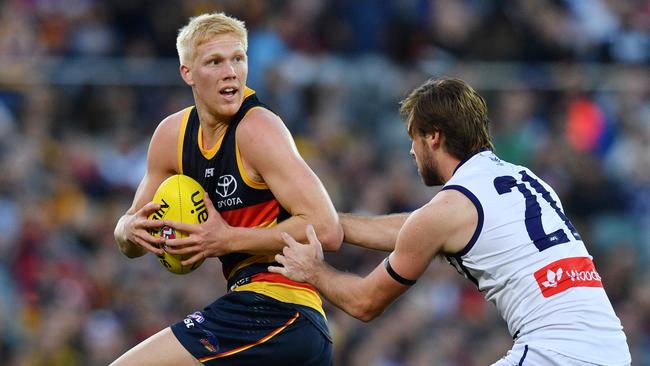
{"x": 363, "y": 297}
{"x": 372, "y": 232}
{"x": 132, "y": 229}
{"x": 269, "y": 155}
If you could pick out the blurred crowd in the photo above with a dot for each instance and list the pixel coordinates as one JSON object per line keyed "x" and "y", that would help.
{"x": 568, "y": 88}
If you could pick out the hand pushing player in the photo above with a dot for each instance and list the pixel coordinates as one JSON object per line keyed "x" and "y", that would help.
{"x": 300, "y": 262}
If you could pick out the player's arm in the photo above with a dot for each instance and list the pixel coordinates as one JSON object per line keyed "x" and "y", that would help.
{"x": 367, "y": 297}
{"x": 445, "y": 224}
{"x": 132, "y": 229}
{"x": 269, "y": 155}
{"x": 372, "y": 232}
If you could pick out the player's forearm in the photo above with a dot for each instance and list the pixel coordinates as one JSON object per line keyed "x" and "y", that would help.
{"x": 372, "y": 232}
{"x": 269, "y": 241}
{"x": 346, "y": 291}
{"x": 128, "y": 248}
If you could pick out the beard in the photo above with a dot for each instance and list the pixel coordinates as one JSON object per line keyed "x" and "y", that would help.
{"x": 429, "y": 172}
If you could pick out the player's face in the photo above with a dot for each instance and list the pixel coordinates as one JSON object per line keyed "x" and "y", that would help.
{"x": 425, "y": 161}
{"x": 219, "y": 74}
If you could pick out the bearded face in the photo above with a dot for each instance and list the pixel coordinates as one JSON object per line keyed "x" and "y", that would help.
{"x": 424, "y": 160}
{"x": 429, "y": 171}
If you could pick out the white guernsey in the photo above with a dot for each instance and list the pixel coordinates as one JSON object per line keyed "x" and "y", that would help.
{"x": 499, "y": 224}
{"x": 527, "y": 258}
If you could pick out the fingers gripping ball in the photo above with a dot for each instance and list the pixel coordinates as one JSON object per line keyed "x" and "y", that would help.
{"x": 181, "y": 199}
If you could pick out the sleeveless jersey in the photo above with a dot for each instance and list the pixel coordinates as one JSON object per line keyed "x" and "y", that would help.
{"x": 527, "y": 258}
{"x": 241, "y": 202}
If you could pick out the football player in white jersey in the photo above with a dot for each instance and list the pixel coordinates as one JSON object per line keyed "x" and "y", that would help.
{"x": 498, "y": 223}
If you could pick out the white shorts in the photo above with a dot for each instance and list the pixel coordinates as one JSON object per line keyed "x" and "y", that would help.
{"x": 526, "y": 355}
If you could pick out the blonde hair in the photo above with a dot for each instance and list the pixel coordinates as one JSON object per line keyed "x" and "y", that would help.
{"x": 201, "y": 28}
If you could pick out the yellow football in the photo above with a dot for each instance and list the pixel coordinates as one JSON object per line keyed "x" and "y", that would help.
{"x": 181, "y": 199}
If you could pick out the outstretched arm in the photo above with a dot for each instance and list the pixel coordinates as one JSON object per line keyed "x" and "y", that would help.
{"x": 372, "y": 232}
{"x": 367, "y": 297}
{"x": 445, "y": 224}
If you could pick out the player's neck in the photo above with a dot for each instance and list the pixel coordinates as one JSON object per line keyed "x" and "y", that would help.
{"x": 211, "y": 130}
{"x": 448, "y": 165}
{"x": 212, "y": 127}
{"x": 211, "y": 134}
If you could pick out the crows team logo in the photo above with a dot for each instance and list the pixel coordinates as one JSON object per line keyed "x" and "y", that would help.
{"x": 566, "y": 273}
{"x": 226, "y": 185}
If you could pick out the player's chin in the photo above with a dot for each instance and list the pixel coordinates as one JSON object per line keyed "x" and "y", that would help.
{"x": 228, "y": 108}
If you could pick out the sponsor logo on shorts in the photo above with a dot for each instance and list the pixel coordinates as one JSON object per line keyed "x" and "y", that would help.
{"x": 197, "y": 316}
{"x": 209, "y": 346}
{"x": 566, "y": 273}
{"x": 210, "y": 341}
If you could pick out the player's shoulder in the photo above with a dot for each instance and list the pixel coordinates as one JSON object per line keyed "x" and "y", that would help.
{"x": 174, "y": 120}
{"x": 261, "y": 117}
{"x": 261, "y": 122}
{"x": 443, "y": 208}
{"x": 163, "y": 147}
{"x": 170, "y": 126}
{"x": 450, "y": 216}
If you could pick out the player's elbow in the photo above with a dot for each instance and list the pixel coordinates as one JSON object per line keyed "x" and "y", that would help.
{"x": 367, "y": 316}
{"x": 127, "y": 248}
{"x": 330, "y": 236}
{"x": 366, "y": 311}
{"x": 132, "y": 252}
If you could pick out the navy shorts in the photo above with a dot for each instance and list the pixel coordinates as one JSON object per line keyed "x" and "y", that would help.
{"x": 247, "y": 328}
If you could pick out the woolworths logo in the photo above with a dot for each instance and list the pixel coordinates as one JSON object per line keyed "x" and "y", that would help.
{"x": 584, "y": 276}
{"x": 552, "y": 278}
{"x": 566, "y": 273}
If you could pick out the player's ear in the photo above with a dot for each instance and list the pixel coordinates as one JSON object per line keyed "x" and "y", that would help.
{"x": 433, "y": 139}
{"x": 186, "y": 74}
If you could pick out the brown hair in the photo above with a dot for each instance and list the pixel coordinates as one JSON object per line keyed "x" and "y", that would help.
{"x": 453, "y": 108}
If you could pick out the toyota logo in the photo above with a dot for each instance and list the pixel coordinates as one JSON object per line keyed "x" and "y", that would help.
{"x": 226, "y": 185}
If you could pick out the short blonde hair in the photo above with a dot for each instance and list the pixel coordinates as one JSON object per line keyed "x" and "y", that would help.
{"x": 201, "y": 28}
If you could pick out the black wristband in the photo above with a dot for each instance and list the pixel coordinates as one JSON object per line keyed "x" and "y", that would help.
{"x": 397, "y": 277}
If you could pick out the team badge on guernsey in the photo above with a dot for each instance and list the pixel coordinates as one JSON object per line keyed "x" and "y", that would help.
{"x": 566, "y": 273}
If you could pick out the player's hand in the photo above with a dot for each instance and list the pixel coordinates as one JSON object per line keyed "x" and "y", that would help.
{"x": 300, "y": 261}
{"x": 137, "y": 229}
{"x": 208, "y": 239}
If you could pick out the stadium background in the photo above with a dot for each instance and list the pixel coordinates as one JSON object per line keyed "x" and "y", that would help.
{"x": 83, "y": 83}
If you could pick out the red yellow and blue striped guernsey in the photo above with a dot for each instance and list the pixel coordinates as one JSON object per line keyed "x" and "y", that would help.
{"x": 242, "y": 203}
